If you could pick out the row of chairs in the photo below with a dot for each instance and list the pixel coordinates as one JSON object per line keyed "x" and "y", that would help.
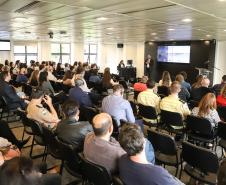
{"x": 199, "y": 163}
{"x": 71, "y": 160}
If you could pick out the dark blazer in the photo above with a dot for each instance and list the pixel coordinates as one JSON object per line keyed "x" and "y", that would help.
{"x": 73, "y": 132}
{"x": 80, "y": 96}
{"x": 9, "y": 93}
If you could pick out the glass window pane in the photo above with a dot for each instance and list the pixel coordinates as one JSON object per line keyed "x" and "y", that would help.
{"x": 65, "y": 48}
{"x": 93, "y": 59}
{"x": 65, "y": 59}
{"x": 86, "y": 58}
{"x": 19, "y": 49}
{"x": 86, "y": 48}
{"x": 55, "y": 48}
{"x": 93, "y": 48}
{"x": 32, "y": 49}
{"x": 20, "y": 57}
{"x": 55, "y": 58}
{"x": 31, "y": 57}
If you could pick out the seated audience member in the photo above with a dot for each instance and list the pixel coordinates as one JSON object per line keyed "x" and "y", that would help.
{"x": 51, "y": 77}
{"x": 94, "y": 77}
{"x": 198, "y": 93}
{"x": 217, "y": 88}
{"x": 149, "y": 97}
{"x": 198, "y": 84}
{"x": 100, "y": 147}
{"x": 21, "y": 77}
{"x": 207, "y": 109}
{"x": 117, "y": 106}
{"x": 221, "y": 99}
{"x": 67, "y": 79}
{"x": 79, "y": 95}
{"x": 80, "y": 72}
{"x": 9, "y": 93}
{"x": 166, "y": 79}
{"x": 173, "y": 103}
{"x": 44, "y": 84}
{"x": 22, "y": 171}
{"x": 183, "y": 94}
{"x": 66, "y": 67}
{"x": 37, "y": 112}
{"x": 141, "y": 86}
{"x": 70, "y": 129}
{"x": 7, "y": 150}
{"x": 184, "y": 83}
{"x": 134, "y": 167}
{"x": 221, "y": 175}
{"x": 107, "y": 81}
{"x": 33, "y": 81}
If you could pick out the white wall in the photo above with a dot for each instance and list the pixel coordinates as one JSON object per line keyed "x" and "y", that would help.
{"x": 220, "y": 61}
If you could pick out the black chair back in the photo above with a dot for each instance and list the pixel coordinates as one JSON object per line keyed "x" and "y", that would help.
{"x": 221, "y": 130}
{"x": 163, "y": 91}
{"x": 124, "y": 84}
{"x": 147, "y": 112}
{"x": 95, "y": 174}
{"x": 65, "y": 88}
{"x": 222, "y": 113}
{"x": 171, "y": 118}
{"x": 27, "y": 89}
{"x": 136, "y": 93}
{"x": 36, "y": 128}
{"x": 88, "y": 113}
{"x": 200, "y": 158}
{"x": 199, "y": 126}
{"x": 134, "y": 107}
{"x": 162, "y": 143}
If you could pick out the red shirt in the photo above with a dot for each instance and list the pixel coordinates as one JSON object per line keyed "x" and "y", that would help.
{"x": 221, "y": 101}
{"x": 139, "y": 87}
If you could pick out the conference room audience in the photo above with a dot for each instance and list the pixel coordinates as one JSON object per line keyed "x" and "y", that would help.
{"x": 36, "y": 110}
{"x": 207, "y": 109}
{"x": 99, "y": 147}
{"x": 221, "y": 98}
{"x": 198, "y": 82}
{"x": 166, "y": 79}
{"x": 33, "y": 80}
{"x": 134, "y": 167}
{"x": 51, "y": 77}
{"x": 150, "y": 97}
{"x": 141, "y": 86}
{"x": 184, "y": 93}
{"x": 68, "y": 77}
{"x": 94, "y": 77}
{"x": 80, "y": 72}
{"x": 117, "y": 106}
{"x": 9, "y": 93}
{"x": 79, "y": 95}
{"x": 199, "y": 92}
{"x": 184, "y": 83}
{"x": 107, "y": 81}
{"x": 44, "y": 83}
{"x": 70, "y": 129}
{"x": 21, "y": 77}
{"x": 173, "y": 103}
{"x": 217, "y": 87}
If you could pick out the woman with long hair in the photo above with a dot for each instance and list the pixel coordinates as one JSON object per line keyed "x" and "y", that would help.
{"x": 198, "y": 82}
{"x": 33, "y": 81}
{"x": 107, "y": 81}
{"x": 207, "y": 109}
{"x": 44, "y": 84}
{"x": 221, "y": 99}
{"x": 67, "y": 79}
{"x": 166, "y": 79}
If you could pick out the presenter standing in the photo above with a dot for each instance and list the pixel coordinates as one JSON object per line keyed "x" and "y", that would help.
{"x": 120, "y": 66}
{"x": 148, "y": 63}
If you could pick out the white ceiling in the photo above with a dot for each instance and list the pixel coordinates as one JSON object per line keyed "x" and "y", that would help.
{"x": 127, "y": 20}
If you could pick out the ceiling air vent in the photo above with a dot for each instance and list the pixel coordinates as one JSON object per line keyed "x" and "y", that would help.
{"x": 30, "y": 6}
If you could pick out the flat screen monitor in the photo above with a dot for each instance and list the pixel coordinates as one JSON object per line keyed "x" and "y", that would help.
{"x": 174, "y": 54}
{"x": 4, "y": 45}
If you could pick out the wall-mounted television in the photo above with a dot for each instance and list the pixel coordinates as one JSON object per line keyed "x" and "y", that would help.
{"x": 174, "y": 54}
{"x": 4, "y": 45}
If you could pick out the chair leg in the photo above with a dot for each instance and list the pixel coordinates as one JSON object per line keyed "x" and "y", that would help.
{"x": 23, "y": 134}
{"x": 32, "y": 145}
{"x": 176, "y": 170}
{"x": 61, "y": 167}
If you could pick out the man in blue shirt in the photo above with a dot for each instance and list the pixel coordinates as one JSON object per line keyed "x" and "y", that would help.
{"x": 118, "y": 107}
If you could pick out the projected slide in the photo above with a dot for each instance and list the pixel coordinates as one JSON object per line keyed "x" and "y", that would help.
{"x": 174, "y": 54}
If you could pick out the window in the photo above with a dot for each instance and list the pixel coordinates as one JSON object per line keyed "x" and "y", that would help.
{"x": 61, "y": 53}
{"x": 90, "y": 53}
{"x": 26, "y": 53}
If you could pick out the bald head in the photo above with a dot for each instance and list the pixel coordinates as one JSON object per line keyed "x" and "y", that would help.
{"x": 205, "y": 82}
{"x": 101, "y": 124}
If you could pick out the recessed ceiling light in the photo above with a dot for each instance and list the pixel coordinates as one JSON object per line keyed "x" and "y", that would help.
{"x": 187, "y": 20}
{"x": 222, "y": 0}
{"x": 156, "y": 38}
{"x": 208, "y": 35}
{"x": 102, "y": 18}
{"x": 109, "y": 33}
{"x": 153, "y": 33}
{"x": 171, "y": 29}
{"x": 224, "y": 30}
{"x": 110, "y": 28}
{"x": 171, "y": 39}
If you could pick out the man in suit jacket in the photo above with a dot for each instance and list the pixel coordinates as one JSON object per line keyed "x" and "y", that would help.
{"x": 77, "y": 94}
{"x": 148, "y": 66}
{"x": 8, "y": 92}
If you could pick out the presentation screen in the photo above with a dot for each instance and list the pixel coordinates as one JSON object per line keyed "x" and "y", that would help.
{"x": 174, "y": 54}
{"x": 4, "y": 45}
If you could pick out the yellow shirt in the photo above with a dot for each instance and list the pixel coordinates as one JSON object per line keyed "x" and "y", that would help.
{"x": 174, "y": 104}
{"x": 149, "y": 98}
